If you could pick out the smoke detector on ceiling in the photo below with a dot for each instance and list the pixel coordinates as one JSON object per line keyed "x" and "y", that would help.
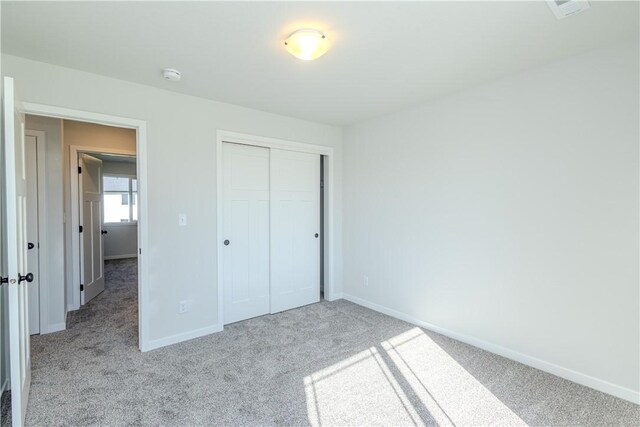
{"x": 171, "y": 74}
{"x": 564, "y": 8}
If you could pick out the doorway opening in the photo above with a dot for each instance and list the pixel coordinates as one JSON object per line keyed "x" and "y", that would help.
{"x": 107, "y": 203}
{"x": 91, "y": 229}
{"x": 57, "y": 161}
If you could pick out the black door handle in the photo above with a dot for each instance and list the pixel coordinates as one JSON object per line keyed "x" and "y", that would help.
{"x": 226, "y": 243}
{"x": 30, "y": 245}
{"x": 316, "y": 235}
{"x": 28, "y": 278}
{"x": 104, "y": 232}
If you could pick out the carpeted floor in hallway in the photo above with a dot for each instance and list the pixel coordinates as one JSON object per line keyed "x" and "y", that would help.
{"x": 332, "y": 363}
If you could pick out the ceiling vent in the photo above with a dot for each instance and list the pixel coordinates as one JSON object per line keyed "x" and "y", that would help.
{"x": 564, "y": 8}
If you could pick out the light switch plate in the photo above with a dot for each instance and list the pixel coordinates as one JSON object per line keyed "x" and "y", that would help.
{"x": 182, "y": 220}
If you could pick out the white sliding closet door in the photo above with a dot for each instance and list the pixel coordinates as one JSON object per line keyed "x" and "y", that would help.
{"x": 245, "y": 231}
{"x": 295, "y": 228}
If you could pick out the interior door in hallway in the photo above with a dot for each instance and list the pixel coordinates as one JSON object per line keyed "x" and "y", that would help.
{"x": 91, "y": 247}
{"x": 295, "y": 229}
{"x": 33, "y": 247}
{"x": 245, "y": 239}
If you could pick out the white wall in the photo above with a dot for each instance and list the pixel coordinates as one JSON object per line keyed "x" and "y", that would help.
{"x": 119, "y": 168}
{"x": 54, "y": 251}
{"x": 508, "y": 216}
{"x": 121, "y": 240}
{"x": 181, "y": 178}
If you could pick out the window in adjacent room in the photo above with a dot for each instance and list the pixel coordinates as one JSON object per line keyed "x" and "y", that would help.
{"x": 120, "y": 199}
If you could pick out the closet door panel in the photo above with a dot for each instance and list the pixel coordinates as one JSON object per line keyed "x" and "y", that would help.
{"x": 245, "y": 231}
{"x": 295, "y": 228}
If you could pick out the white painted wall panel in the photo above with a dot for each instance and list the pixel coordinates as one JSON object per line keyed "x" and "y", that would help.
{"x": 120, "y": 168}
{"x": 121, "y": 241}
{"x": 509, "y": 213}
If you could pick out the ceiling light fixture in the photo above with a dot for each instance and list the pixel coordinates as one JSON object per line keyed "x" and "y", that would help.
{"x": 306, "y": 44}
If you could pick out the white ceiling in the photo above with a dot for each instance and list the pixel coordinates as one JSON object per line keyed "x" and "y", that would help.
{"x": 384, "y": 55}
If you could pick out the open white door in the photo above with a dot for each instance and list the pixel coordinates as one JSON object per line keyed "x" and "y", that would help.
{"x": 18, "y": 276}
{"x": 295, "y": 229}
{"x": 91, "y": 245}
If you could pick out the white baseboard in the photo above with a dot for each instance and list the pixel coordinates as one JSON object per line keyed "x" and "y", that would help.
{"x": 120, "y": 256}
{"x": 174, "y": 339}
{"x": 333, "y": 297}
{"x": 55, "y": 327}
{"x": 566, "y": 373}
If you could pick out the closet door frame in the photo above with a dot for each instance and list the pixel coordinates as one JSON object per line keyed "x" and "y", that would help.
{"x": 328, "y": 178}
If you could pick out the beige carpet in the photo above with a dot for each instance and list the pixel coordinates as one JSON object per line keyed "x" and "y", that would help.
{"x": 333, "y": 363}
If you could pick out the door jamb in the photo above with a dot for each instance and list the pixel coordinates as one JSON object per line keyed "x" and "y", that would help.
{"x": 240, "y": 138}
{"x": 141, "y": 162}
{"x": 43, "y": 248}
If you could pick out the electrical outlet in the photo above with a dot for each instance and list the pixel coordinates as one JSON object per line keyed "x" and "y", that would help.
{"x": 183, "y": 307}
{"x": 365, "y": 281}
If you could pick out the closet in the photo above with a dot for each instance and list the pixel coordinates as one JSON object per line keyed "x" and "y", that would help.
{"x": 270, "y": 230}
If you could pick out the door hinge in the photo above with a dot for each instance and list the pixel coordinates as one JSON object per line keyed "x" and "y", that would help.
{"x": 79, "y": 169}
{"x": 81, "y": 229}
{"x": 140, "y": 251}
{"x": 81, "y": 287}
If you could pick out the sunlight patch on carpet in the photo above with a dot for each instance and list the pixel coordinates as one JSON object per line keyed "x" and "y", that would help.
{"x": 408, "y": 379}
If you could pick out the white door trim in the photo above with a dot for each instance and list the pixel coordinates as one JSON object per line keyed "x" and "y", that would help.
{"x": 143, "y": 231}
{"x": 43, "y": 250}
{"x": 261, "y": 141}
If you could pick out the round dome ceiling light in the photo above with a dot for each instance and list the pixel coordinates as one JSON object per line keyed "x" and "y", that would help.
{"x": 307, "y": 44}
{"x": 171, "y": 74}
